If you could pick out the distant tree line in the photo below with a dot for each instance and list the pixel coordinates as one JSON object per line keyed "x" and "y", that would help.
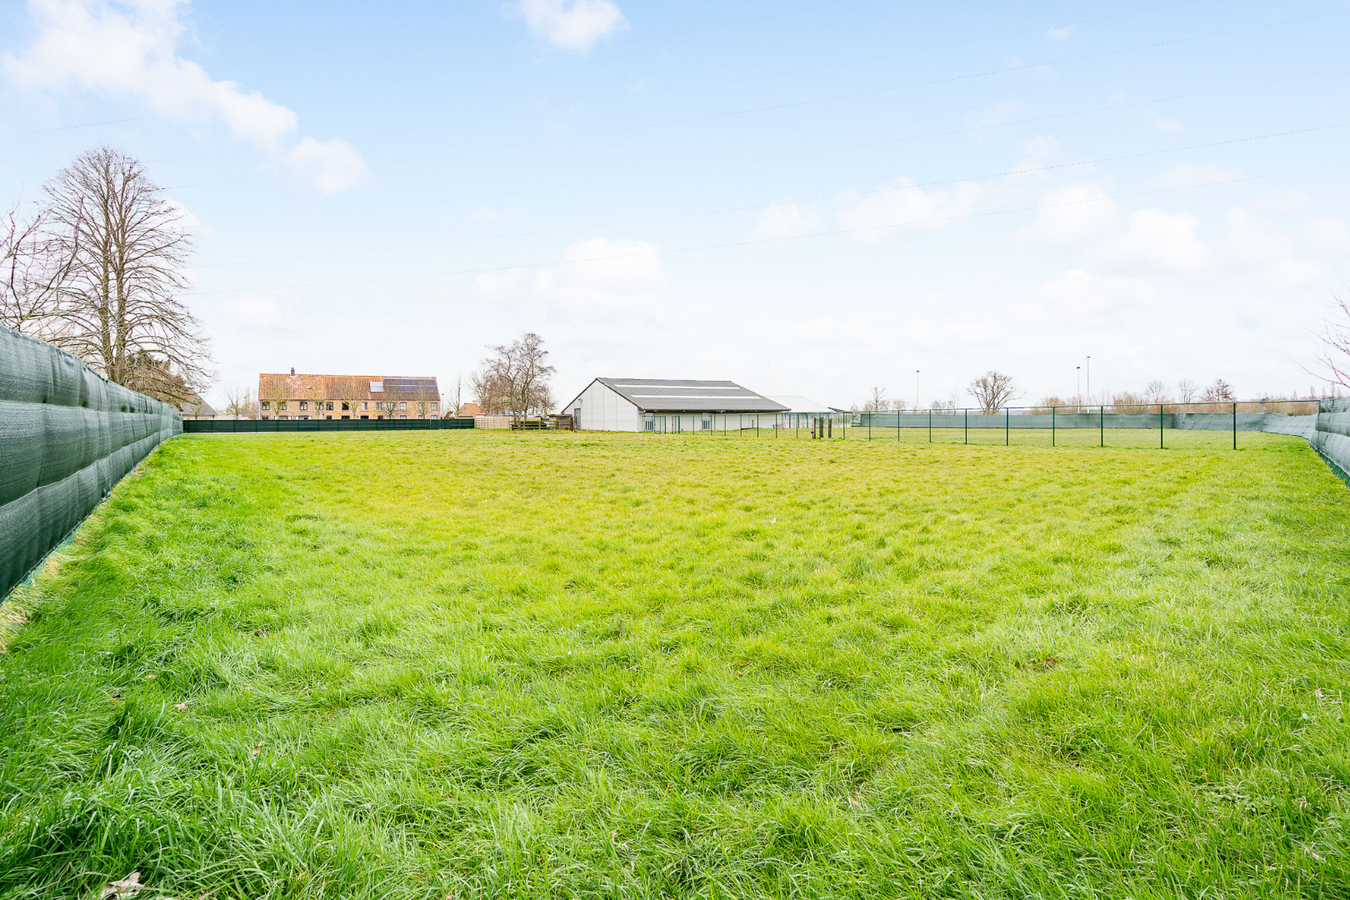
{"x": 96, "y": 267}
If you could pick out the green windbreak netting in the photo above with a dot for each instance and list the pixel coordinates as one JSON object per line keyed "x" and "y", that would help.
{"x": 67, "y": 435}
{"x": 1332, "y": 435}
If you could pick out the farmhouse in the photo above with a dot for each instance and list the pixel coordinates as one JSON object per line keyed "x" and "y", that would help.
{"x": 659, "y": 404}
{"x": 347, "y": 397}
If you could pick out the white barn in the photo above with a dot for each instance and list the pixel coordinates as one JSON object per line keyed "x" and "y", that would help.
{"x": 659, "y": 404}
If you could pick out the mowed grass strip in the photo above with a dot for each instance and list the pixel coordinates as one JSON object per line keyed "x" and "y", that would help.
{"x": 490, "y": 665}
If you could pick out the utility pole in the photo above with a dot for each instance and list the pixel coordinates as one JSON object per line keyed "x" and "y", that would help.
{"x": 916, "y": 390}
{"x": 1078, "y": 384}
{"x": 1089, "y": 377}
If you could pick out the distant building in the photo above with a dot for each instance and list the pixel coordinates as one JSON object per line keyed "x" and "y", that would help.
{"x": 470, "y": 409}
{"x": 659, "y": 404}
{"x": 194, "y": 407}
{"x": 347, "y": 397}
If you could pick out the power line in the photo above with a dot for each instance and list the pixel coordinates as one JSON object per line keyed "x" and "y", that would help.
{"x": 940, "y": 220}
{"x": 870, "y": 92}
{"x": 753, "y": 206}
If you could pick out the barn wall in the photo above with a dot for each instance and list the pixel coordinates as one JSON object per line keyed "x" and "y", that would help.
{"x": 604, "y": 410}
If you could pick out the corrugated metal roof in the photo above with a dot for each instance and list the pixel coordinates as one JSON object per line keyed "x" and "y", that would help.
{"x": 799, "y": 404}
{"x": 676, "y": 395}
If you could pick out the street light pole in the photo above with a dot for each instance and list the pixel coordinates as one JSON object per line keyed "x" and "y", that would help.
{"x": 1089, "y": 377}
{"x": 1078, "y": 384}
{"x": 916, "y": 390}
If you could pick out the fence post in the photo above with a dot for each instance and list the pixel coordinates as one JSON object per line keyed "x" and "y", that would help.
{"x": 1102, "y": 426}
{"x": 1052, "y": 426}
{"x": 1235, "y": 426}
{"x": 930, "y": 428}
{"x": 1007, "y": 426}
{"x": 1160, "y": 427}
{"x": 966, "y": 438}
{"x": 869, "y": 426}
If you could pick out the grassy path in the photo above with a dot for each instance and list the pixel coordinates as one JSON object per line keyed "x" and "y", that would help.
{"x": 489, "y": 665}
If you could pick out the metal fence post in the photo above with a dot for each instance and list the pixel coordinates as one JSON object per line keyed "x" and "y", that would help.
{"x": 1102, "y": 426}
{"x": 1007, "y": 426}
{"x": 869, "y": 426}
{"x": 1160, "y": 427}
{"x": 1052, "y": 426}
{"x": 930, "y": 427}
{"x": 1234, "y": 426}
{"x": 966, "y": 437}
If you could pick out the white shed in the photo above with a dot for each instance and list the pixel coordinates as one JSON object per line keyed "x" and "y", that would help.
{"x": 660, "y": 404}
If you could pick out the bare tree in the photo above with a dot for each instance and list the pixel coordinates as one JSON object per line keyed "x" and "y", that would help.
{"x": 1187, "y": 390}
{"x": 876, "y": 401}
{"x": 33, "y": 270}
{"x": 458, "y": 399}
{"x": 490, "y": 387}
{"x": 1336, "y": 346}
{"x": 993, "y": 390}
{"x": 1219, "y": 392}
{"x": 949, "y": 403}
{"x": 127, "y": 251}
{"x": 241, "y": 404}
{"x": 427, "y": 400}
{"x": 514, "y": 379}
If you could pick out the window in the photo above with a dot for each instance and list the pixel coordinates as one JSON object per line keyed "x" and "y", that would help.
{"x": 403, "y": 417}
{"x": 281, "y": 404}
{"x": 377, "y": 387}
{"x": 266, "y": 404}
{"x": 365, "y": 405}
{"x": 707, "y": 423}
{"x": 345, "y": 406}
{"x": 433, "y": 406}
{"x": 330, "y": 406}
{"x": 403, "y": 404}
{"x": 304, "y": 404}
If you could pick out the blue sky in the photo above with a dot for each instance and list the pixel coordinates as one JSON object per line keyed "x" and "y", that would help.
{"x": 809, "y": 198}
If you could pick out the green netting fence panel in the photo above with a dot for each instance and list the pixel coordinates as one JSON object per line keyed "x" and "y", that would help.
{"x": 67, "y": 436}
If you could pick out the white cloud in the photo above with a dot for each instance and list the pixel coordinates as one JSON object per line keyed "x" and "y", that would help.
{"x": 599, "y": 275}
{"x": 1328, "y": 235}
{"x": 258, "y": 314}
{"x": 993, "y": 114}
{"x": 1164, "y": 124}
{"x": 575, "y": 25}
{"x": 128, "y": 49}
{"x": 1082, "y": 298}
{"x": 1188, "y": 176}
{"x": 1267, "y": 256}
{"x": 498, "y": 286}
{"x": 1160, "y": 241}
{"x": 1060, "y": 34}
{"x": 875, "y": 216}
{"x": 1073, "y": 215}
{"x": 187, "y": 219}
{"x": 782, "y": 221}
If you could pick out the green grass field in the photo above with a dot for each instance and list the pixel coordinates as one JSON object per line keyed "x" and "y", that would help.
{"x": 459, "y": 664}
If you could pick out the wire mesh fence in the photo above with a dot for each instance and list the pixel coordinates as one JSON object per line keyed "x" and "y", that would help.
{"x": 1132, "y": 425}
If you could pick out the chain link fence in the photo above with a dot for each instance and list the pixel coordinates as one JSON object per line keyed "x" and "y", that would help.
{"x": 1233, "y": 424}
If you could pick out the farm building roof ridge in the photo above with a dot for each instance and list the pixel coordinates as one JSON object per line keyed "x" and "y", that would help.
{"x": 345, "y": 387}
{"x": 690, "y": 395}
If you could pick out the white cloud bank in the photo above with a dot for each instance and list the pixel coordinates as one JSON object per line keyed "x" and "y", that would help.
{"x": 572, "y": 25}
{"x": 879, "y": 214}
{"x": 128, "y": 49}
{"x": 784, "y": 221}
{"x": 616, "y": 278}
